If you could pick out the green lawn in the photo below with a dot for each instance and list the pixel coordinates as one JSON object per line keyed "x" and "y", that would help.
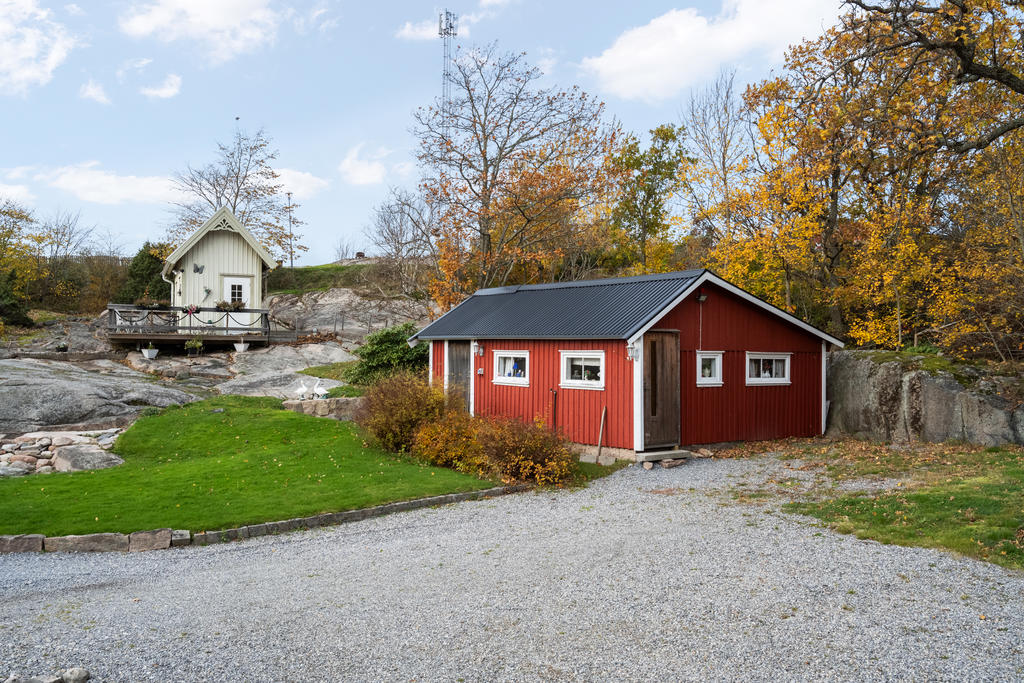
{"x": 314, "y": 278}
{"x": 192, "y": 468}
{"x": 969, "y": 502}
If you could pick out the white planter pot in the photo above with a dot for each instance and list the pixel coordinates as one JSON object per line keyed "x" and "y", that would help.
{"x": 243, "y": 346}
{"x": 150, "y": 354}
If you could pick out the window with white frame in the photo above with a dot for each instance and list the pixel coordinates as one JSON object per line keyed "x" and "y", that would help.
{"x": 709, "y": 368}
{"x": 512, "y": 367}
{"x": 582, "y": 369}
{"x": 768, "y": 368}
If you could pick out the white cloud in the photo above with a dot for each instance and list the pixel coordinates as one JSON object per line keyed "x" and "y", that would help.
{"x": 90, "y": 183}
{"x": 683, "y": 47}
{"x": 18, "y": 193}
{"x": 301, "y": 184}
{"x": 32, "y": 46}
{"x": 137, "y": 64}
{"x": 18, "y": 172}
{"x": 421, "y": 30}
{"x": 358, "y": 171}
{"x": 74, "y": 10}
{"x": 404, "y": 169}
{"x": 316, "y": 19}
{"x": 546, "y": 60}
{"x": 494, "y": 3}
{"x": 93, "y": 91}
{"x": 226, "y": 28}
{"x": 169, "y": 88}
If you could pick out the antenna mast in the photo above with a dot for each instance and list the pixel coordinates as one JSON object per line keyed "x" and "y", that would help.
{"x": 447, "y": 28}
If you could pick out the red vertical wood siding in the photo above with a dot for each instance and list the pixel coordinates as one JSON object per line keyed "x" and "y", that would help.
{"x": 437, "y": 352}
{"x": 735, "y": 411}
{"x": 579, "y": 410}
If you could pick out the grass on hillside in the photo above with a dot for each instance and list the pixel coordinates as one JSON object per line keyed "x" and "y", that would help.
{"x": 314, "y": 278}
{"x": 192, "y": 468}
{"x": 337, "y": 371}
{"x": 957, "y": 497}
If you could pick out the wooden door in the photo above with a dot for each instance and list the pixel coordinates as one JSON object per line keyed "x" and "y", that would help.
{"x": 460, "y": 370}
{"x": 661, "y": 389}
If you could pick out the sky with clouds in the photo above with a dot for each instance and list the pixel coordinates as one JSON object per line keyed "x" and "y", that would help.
{"x": 101, "y": 102}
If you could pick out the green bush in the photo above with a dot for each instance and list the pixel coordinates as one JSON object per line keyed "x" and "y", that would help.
{"x": 507, "y": 448}
{"x": 928, "y": 349}
{"x": 397, "y": 405}
{"x": 13, "y": 307}
{"x": 386, "y": 352}
{"x": 144, "y": 281}
{"x": 345, "y": 391}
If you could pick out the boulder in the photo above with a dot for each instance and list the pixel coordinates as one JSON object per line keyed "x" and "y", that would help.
{"x": 35, "y": 394}
{"x": 21, "y": 543}
{"x": 83, "y": 457}
{"x": 885, "y": 401}
{"x": 141, "y": 541}
{"x": 88, "y": 543}
{"x": 340, "y": 310}
{"x": 7, "y": 470}
{"x": 283, "y": 358}
{"x": 76, "y": 675}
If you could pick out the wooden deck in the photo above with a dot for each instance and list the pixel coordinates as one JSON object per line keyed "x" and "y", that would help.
{"x": 127, "y": 323}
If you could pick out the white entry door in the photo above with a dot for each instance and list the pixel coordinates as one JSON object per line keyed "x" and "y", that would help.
{"x": 238, "y": 289}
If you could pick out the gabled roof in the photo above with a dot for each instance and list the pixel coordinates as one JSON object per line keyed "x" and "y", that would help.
{"x": 222, "y": 219}
{"x": 614, "y": 308}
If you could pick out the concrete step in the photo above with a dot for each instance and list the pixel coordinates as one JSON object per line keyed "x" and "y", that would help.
{"x": 654, "y": 456}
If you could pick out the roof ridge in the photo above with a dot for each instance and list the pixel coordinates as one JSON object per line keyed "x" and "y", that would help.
{"x": 597, "y": 282}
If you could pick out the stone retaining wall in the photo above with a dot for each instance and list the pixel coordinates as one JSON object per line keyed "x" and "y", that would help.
{"x": 161, "y": 539}
{"x": 341, "y": 408}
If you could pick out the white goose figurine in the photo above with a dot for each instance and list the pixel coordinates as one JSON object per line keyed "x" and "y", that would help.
{"x": 319, "y": 391}
{"x": 302, "y": 390}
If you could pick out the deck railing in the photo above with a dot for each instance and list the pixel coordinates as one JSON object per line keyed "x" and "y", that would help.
{"x": 134, "y": 321}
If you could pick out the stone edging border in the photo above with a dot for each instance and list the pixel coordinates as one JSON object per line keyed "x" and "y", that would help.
{"x": 160, "y": 539}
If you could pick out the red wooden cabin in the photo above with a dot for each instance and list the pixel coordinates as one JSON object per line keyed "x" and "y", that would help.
{"x": 670, "y": 359}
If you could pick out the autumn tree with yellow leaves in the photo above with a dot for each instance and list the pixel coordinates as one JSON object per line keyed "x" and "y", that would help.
{"x": 880, "y": 197}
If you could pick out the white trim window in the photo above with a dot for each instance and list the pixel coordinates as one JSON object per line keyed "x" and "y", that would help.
{"x": 582, "y": 369}
{"x": 709, "y": 368}
{"x": 512, "y": 367}
{"x": 767, "y": 368}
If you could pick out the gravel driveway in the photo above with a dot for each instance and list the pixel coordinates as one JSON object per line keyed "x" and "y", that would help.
{"x": 613, "y": 582}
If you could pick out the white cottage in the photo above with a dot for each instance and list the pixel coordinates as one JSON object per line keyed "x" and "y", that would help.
{"x": 221, "y": 261}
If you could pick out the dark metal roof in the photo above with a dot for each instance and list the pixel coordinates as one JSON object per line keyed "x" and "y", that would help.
{"x": 613, "y": 308}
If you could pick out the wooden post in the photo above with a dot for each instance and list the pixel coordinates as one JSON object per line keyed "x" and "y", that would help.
{"x": 600, "y": 434}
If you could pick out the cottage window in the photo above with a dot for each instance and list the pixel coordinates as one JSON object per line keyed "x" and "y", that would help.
{"x": 512, "y": 367}
{"x": 768, "y": 368}
{"x": 709, "y": 368}
{"x": 236, "y": 293}
{"x": 582, "y": 369}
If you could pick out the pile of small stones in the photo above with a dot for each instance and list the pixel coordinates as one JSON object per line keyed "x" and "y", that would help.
{"x": 73, "y": 675}
{"x": 40, "y": 452}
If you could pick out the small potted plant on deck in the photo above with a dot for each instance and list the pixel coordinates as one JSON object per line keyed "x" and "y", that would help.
{"x": 149, "y": 353}
{"x": 241, "y": 344}
{"x": 194, "y": 346}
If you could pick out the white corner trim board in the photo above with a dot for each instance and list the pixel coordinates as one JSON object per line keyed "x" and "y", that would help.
{"x": 638, "y": 398}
